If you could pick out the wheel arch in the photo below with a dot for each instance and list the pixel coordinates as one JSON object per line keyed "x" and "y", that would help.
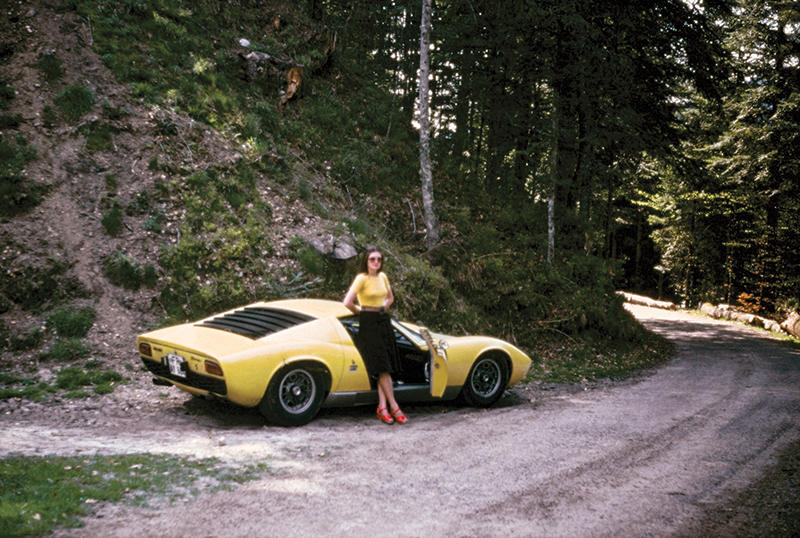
{"x": 312, "y": 363}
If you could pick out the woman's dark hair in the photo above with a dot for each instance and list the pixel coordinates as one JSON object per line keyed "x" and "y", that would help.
{"x": 363, "y": 268}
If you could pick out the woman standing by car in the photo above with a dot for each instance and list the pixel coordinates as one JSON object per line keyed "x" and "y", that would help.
{"x": 371, "y": 288}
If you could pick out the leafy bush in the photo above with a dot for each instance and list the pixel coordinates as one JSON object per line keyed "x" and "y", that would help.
{"x": 112, "y": 219}
{"x": 73, "y": 378}
{"x": 74, "y": 101}
{"x": 98, "y": 136}
{"x": 50, "y": 66}
{"x": 66, "y": 350}
{"x": 7, "y": 94}
{"x": 125, "y": 272}
{"x": 36, "y": 288}
{"x": 72, "y": 322}
{"x": 30, "y": 340}
{"x": 18, "y": 195}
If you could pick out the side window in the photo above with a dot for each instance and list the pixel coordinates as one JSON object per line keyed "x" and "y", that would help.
{"x": 352, "y": 326}
{"x": 401, "y": 340}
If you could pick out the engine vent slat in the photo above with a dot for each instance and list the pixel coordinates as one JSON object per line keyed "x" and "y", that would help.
{"x": 256, "y": 322}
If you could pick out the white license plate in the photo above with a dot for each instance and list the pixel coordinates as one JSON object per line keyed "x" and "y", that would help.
{"x": 175, "y": 363}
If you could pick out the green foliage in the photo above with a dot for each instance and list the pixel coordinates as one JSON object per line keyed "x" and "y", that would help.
{"x": 112, "y": 219}
{"x": 18, "y": 194}
{"x": 125, "y": 272}
{"x": 73, "y": 379}
{"x": 49, "y": 116}
{"x": 50, "y": 66}
{"x": 70, "y": 381}
{"x": 35, "y": 288}
{"x": 98, "y": 136}
{"x": 41, "y": 494}
{"x": 72, "y": 322}
{"x": 74, "y": 101}
{"x": 7, "y": 94}
{"x": 66, "y": 350}
{"x": 10, "y": 121}
{"x": 32, "y": 339}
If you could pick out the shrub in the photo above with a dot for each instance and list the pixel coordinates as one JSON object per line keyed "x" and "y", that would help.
{"x": 98, "y": 136}
{"x": 36, "y": 288}
{"x": 7, "y": 94}
{"x": 17, "y": 194}
{"x": 74, "y": 101}
{"x": 125, "y": 272}
{"x": 50, "y": 66}
{"x": 30, "y": 340}
{"x": 112, "y": 220}
{"x": 66, "y": 350}
{"x": 71, "y": 322}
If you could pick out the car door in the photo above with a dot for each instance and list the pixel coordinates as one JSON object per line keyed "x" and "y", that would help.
{"x": 437, "y": 366}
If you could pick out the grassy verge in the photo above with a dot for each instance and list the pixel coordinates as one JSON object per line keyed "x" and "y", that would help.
{"x": 576, "y": 361}
{"x": 42, "y": 493}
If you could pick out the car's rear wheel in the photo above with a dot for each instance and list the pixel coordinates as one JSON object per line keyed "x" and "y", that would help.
{"x": 294, "y": 396}
{"x": 486, "y": 380}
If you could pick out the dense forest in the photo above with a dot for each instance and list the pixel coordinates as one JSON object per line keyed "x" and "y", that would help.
{"x": 664, "y": 133}
{"x": 576, "y": 148}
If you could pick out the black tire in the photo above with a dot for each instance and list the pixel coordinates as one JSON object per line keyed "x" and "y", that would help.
{"x": 486, "y": 381}
{"x": 294, "y": 395}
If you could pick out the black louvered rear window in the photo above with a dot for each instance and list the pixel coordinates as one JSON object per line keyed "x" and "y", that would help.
{"x": 255, "y": 322}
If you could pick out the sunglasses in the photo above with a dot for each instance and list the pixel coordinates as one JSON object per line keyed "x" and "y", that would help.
{"x": 374, "y": 258}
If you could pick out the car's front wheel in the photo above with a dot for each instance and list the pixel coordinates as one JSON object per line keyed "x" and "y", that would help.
{"x": 294, "y": 396}
{"x": 486, "y": 380}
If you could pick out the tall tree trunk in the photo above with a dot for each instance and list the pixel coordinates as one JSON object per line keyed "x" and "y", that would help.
{"x": 551, "y": 203}
{"x": 431, "y": 224}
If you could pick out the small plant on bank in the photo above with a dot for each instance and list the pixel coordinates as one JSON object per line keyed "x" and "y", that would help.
{"x": 125, "y": 272}
{"x": 74, "y": 101}
{"x": 112, "y": 219}
{"x": 71, "y": 322}
{"x": 50, "y": 66}
{"x": 65, "y": 350}
{"x": 32, "y": 339}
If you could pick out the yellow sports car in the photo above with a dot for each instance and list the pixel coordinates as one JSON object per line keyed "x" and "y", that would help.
{"x": 291, "y": 357}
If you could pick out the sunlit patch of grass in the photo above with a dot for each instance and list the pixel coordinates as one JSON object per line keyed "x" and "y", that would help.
{"x": 576, "y": 361}
{"x": 40, "y": 494}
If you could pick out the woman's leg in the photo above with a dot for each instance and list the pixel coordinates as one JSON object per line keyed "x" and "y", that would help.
{"x": 386, "y": 392}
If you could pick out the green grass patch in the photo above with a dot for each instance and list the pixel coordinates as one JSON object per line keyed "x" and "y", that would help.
{"x": 74, "y": 101}
{"x": 72, "y": 322}
{"x": 40, "y": 494}
{"x": 567, "y": 360}
{"x": 125, "y": 272}
{"x": 18, "y": 194}
{"x": 98, "y": 136}
{"x": 37, "y": 288}
{"x": 75, "y": 381}
{"x": 66, "y": 350}
{"x": 32, "y": 339}
{"x": 112, "y": 219}
{"x": 50, "y": 66}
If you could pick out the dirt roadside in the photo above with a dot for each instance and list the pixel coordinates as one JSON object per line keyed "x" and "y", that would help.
{"x": 665, "y": 454}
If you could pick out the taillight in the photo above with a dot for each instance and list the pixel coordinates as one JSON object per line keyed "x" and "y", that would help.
{"x": 144, "y": 349}
{"x": 213, "y": 368}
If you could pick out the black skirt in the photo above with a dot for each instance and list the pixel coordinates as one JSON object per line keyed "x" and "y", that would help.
{"x": 377, "y": 345}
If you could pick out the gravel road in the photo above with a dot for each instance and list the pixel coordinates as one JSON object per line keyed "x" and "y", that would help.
{"x": 648, "y": 456}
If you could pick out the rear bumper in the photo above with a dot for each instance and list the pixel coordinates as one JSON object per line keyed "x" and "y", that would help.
{"x": 192, "y": 379}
